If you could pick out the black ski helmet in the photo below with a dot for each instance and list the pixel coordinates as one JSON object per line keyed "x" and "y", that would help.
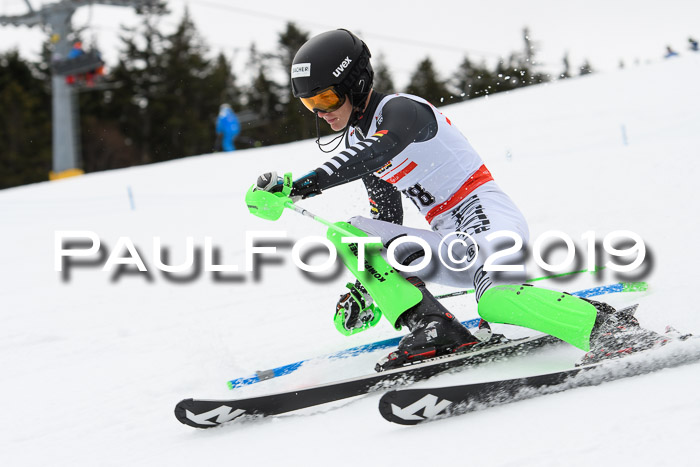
{"x": 336, "y": 59}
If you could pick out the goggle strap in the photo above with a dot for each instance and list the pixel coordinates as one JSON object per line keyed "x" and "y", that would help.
{"x": 322, "y": 145}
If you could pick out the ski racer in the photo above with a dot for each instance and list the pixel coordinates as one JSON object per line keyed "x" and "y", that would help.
{"x": 401, "y": 144}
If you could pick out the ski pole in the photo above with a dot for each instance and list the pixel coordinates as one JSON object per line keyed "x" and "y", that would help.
{"x": 640, "y": 286}
{"x": 306, "y": 213}
{"x": 270, "y": 206}
{"x": 535, "y": 279}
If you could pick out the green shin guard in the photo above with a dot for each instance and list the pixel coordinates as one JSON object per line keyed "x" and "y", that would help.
{"x": 561, "y": 315}
{"x": 390, "y": 291}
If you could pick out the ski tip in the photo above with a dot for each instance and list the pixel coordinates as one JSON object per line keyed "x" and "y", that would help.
{"x": 202, "y": 413}
{"x": 181, "y": 409}
{"x": 385, "y": 406}
{"x": 390, "y": 409}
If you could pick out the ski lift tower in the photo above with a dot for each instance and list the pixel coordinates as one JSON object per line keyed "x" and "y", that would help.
{"x": 57, "y": 16}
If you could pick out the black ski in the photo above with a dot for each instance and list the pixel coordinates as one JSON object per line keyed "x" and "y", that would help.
{"x": 413, "y": 406}
{"x": 203, "y": 413}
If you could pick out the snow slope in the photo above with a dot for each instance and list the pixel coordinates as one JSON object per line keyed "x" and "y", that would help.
{"x": 93, "y": 363}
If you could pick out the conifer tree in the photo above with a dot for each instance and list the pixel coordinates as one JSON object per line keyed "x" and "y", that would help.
{"x": 263, "y": 97}
{"x": 511, "y": 74}
{"x": 25, "y": 122}
{"x": 222, "y": 80}
{"x": 473, "y": 80}
{"x": 526, "y": 63}
{"x": 185, "y": 109}
{"x": 297, "y": 122}
{"x": 382, "y": 76}
{"x": 566, "y": 73}
{"x": 426, "y": 84}
{"x": 137, "y": 78}
{"x": 585, "y": 68}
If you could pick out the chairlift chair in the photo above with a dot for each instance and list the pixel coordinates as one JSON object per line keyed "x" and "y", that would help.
{"x": 89, "y": 61}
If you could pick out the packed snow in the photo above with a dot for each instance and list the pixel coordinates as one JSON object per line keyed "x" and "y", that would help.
{"x": 93, "y": 361}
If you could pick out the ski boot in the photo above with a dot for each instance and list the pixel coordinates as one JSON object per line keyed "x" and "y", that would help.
{"x": 483, "y": 331}
{"x": 434, "y": 332}
{"x": 617, "y": 333}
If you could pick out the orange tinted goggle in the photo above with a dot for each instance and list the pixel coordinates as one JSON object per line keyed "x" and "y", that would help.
{"x": 325, "y": 101}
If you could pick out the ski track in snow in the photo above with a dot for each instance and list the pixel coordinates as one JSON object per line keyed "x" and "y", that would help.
{"x": 92, "y": 367}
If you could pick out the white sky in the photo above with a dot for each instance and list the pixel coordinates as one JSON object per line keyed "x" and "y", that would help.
{"x": 602, "y": 31}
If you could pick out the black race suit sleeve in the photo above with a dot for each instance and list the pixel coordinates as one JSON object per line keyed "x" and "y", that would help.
{"x": 384, "y": 200}
{"x": 404, "y": 120}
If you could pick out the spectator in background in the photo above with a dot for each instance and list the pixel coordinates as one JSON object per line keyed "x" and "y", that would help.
{"x": 693, "y": 44}
{"x": 75, "y": 52}
{"x": 227, "y": 128}
{"x": 670, "y": 52}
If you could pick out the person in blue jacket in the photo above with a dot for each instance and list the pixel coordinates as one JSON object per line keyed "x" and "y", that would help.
{"x": 227, "y": 128}
{"x": 693, "y": 44}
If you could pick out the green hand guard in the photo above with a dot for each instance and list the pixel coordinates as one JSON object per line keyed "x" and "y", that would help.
{"x": 368, "y": 316}
{"x": 268, "y": 205}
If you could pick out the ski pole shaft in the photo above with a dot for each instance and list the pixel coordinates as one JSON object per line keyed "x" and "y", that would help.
{"x": 309, "y": 214}
{"x": 628, "y": 286}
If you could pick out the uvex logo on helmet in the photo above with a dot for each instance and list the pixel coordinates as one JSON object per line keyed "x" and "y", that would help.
{"x": 339, "y": 71}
